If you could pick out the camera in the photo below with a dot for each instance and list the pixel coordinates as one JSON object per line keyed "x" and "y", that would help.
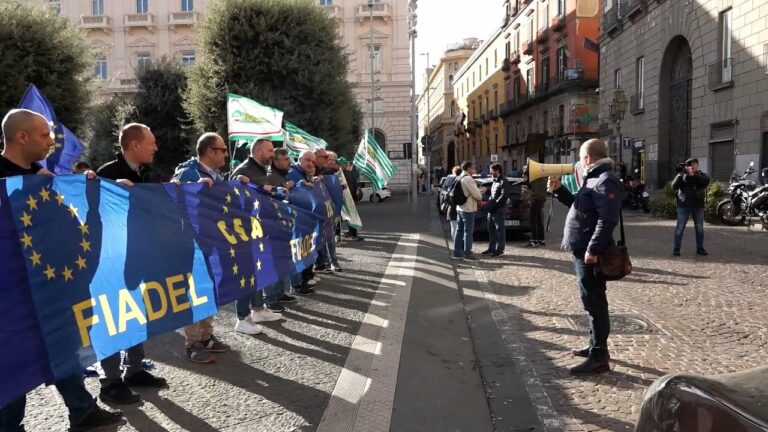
{"x": 680, "y": 168}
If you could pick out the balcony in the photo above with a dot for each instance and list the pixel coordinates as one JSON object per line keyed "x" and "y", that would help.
{"x": 479, "y": 122}
{"x": 140, "y": 20}
{"x": 178, "y": 19}
{"x": 721, "y": 74}
{"x": 515, "y": 57}
{"x": 334, "y": 11}
{"x": 505, "y": 65}
{"x": 380, "y": 10}
{"x": 95, "y": 22}
{"x": 637, "y": 104}
{"x": 572, "y": 74}
{"x": 506, "y": 108}
{"x": 528, "y": 47}
{"x": 633, "y": 7}
{"x": 558, "y": 23}
{"x": 486, "y": 118}
{"x": 611, "y": 20}
{"x": 543, "y": 36}
{"x": 492, "y": 115}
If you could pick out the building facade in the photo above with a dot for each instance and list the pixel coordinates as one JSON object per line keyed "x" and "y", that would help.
{"x": 128, "y": 34}
{"x": 438, "y": 109}
{"x": 538, "y": 100}
{"x": 694, "y": 74}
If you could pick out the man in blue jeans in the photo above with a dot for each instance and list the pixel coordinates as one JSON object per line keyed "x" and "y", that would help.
{"x": 691, "y": 188}
{"x": 462, "y": 242}
{"x": 497, "y": 231}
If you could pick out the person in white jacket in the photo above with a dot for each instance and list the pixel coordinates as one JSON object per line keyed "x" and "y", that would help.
{"x": 462, "y": 242}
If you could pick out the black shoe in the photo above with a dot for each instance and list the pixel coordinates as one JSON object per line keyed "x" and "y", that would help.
{"x": 118, "y": 393}
{"x": 584, "y": 352}
{"x": 676, "y": 252}
{"x": 497, "y": 253}
{"x": 592, "y": 366}
{"x": 702, "y": 252}
{"x": 322, "y": 269}
{"x": 532, "y": 244}
{"x": 304, "y": 290}
{"x": 541, "y": 243}
{"x": 145, "y": 379}
{"x": 358, "y": 238}
{"x": 276, "y": 308}
{"x": 487, "y": 252}
{"x": 287, "y": 299}
{"x": 98, "y": 417}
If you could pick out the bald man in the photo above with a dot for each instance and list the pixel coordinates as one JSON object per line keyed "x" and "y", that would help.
{"x": 593, "y": 214}
{"x": 27, "y": 139}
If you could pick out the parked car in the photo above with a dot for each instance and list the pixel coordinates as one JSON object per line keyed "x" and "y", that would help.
{"x": 368, "y": 194}
{"x": 517, "y": 218}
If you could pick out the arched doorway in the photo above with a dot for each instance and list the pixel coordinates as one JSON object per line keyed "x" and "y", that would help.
{"x": 381, "y": 138}
{"x": 674, "y": 108}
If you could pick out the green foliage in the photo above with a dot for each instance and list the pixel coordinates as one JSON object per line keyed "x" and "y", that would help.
{"x": 158, "y": 104}
{"x": 48, "y": 51}
{"x": 108, "y": 118}
{"x": 716, "y": 192}
{"x": 281, "y": 53}
{"x": 666, "y": 206}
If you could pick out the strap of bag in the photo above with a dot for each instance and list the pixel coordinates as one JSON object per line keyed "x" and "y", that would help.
{"x": 623, "y": 241}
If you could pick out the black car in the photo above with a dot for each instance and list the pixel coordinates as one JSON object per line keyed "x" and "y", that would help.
{"x": 517, "y": 218}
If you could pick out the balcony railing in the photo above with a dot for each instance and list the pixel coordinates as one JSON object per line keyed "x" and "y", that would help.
{"x": 721, "y": 74}
{"x": 637, "y": 103}
{"x": 528, "y": 47}
{"x": 335, "y": 11}
{"x": 611, "y": 19}
{"x": 95, "y": 22}
{"x": 485, "y": 118}
{"x": 129, "y": 82}
{"x": 558, "y": 23}
{"x": 380, "y": 10}
{"x": 543, "y": 36}
{"x": 505, "y": 65}
{"x": 140, "y": 20}
{"x": 632, "y": 7}
{"x": 571, "y": 74}
{"x": 183, "y": 18}
{"x": 493, "y": 115}
{"x": 515, "y": 57}
{"x": 505, "y": 109}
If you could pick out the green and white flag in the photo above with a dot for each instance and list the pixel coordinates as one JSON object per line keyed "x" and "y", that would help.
{"x": 249, "y": 120}
{"x": 373, "y": 162}
{"x": 297, "y": 140}
{"x": 573, "y": 182}
{"x": 348, "y": 207}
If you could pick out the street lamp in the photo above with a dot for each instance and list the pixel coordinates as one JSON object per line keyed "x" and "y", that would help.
{"x": 414, "y": 152}
{"x": 429, "y": 108}
{"x": 617, "y": 109}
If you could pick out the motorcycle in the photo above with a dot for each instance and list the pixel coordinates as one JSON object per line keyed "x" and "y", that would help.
{"x": 635, "y": 195}
{"x": 747, "y": 200}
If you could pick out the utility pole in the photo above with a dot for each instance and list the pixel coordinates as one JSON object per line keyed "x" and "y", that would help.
{"x": 373, "y": 73}
{"x": 414, "y": 136}
{"x": 427, "y": 149}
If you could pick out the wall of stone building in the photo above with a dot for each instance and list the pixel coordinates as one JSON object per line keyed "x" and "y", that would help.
{"x": 743, "y": 104}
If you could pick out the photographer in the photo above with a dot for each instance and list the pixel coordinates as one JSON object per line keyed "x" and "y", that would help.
{"x": 690, "y": 184}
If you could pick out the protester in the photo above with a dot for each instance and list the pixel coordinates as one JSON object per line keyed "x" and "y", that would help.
{"x": 81, "y": 167}
{"x": 691, "y": 188}
{"x": 137, "y": 149}
{"x": 497, "y": 209}
{"x": 352, "y": 176}
{"x": 27, "y": 139}
{"x": 211, "y": 151}
{"x": 593, "y": 214}
{"x": 538, "y": 191}
{"x": 302, "y": 174}
{"x": 258, "y": 169}
{"x": 462, "y": 244}
{"x": 451, "y": 214}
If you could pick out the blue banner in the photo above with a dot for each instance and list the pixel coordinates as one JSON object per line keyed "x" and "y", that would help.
{"x": 91, "y": 267}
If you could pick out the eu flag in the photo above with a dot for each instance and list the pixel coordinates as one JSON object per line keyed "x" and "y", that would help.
{"x": 66, "y": 148}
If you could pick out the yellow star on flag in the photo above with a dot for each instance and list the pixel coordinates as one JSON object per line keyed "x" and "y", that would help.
{"x": 72, "y": 210}
{"x": 258, "y": 265}
{"x": 26, "y": 219}
{"x": 60, "y": 199}
{"x": 50, "y": 272}
{"x": 32, "y": 203}
{"x": 236, "y": 191}
{"x": 59, "y": 136}
{"x": 27, "y": 240}
{"x": 228, "y": 198}
{"x": 253, "y": 280}
{"x": 242, "y": 282}
{"x": 234, "y": 269}
{"x": 226, "y": 210}
{"x": 232, "y": 252}
{"x": 67, "y": 273}
{"x": 86, "y": 245}
{"x": 35, "y": 258}
{"x": 256, "y": 203}
{"x": 80, "y": 262}
{"x": 247, "y": 193}
{"x": 45, "y": 194}
{"x": 84, "y": 229}
{"x": 261, "y": 247}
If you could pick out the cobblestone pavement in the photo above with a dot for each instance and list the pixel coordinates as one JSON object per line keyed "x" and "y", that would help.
{"x": 705, "y": 315}
{"x": 278, "y": 381}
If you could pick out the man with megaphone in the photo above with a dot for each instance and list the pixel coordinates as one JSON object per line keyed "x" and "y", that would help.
{"x": 594, "y": 213}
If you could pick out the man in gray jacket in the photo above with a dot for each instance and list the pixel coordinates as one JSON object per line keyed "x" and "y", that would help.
{"x": 462, "y": 242}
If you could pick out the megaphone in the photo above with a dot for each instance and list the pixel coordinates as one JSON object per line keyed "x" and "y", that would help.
{"x": 538, "y": 170}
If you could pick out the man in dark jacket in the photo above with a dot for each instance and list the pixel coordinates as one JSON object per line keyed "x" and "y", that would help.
{"x": 593, "y": 214}
{"x": 302, "y": 174}
{"x": 538, "y": 190}
{"x": 137, "y": 149}
{"x": 497, "y": 232}
{"x": 691, "y": 188}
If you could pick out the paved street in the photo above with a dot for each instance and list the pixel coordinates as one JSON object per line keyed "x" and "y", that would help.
{"x": 407, "y": 340}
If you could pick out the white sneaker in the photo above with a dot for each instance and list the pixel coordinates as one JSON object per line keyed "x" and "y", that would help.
{"x": 247, "y": 326}
{"x": 316, "y": 278}
{"x": 264, "y": 315}
{"x": 311, "y": 282}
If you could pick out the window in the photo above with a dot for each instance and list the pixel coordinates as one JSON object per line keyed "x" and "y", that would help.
{"x": 495, "y": 58}
{"x": 487, "y": 69}
{"x": 55, "y": 6}
{"x": 561, "y": 8}
{"x": 726, "y": 39}
{"x": 516, "y": 89}
{"x": 544, "y": 77}
{"x": 517, "y": 40}
{"x": 377, "y": 60}
{"x": 101, "y": 68}
{"x": 561, "y": 114}
{"x": 617, "y": 78}
{"x": 496, "y": 99}
{"x": 508, "y": 50}
{"x": 97, "y": 7}
{"x": 378, "y": 105}
{"x": 529, "y": 82}
{"x": 143, "y": 59}
{"x": 187, "y": 5}
{"x": 326, "y": 2}
{"x": 187, "y": 58}
{"x": 562, "y": 63}
{"x": 142, "y": 6}
{"x": 532, "y": 35}
{"x": 545, "y": 16}
{"x": 640, "y": 84}
{"x": 481, "y": 72}
{"x": 487, "y": 103}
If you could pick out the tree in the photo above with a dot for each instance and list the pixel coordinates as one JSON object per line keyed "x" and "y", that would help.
{"x": 285, "y": 54}
{"x": 158, "y": 104}
{"x": 108, "y": 118}
{"x": 50, "y": 52}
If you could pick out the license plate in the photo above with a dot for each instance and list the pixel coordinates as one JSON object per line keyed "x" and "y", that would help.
{"x": 512, "y": 223}
{"x": 646, "y": 194}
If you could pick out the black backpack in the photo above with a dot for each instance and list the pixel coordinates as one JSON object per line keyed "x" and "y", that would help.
{"x": 456, "y": 195}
